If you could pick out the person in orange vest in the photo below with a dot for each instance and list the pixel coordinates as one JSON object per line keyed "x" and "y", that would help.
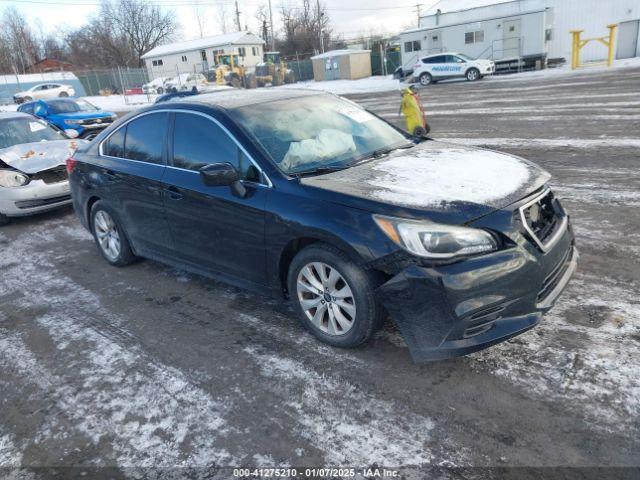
{"x": 413, "y": 113}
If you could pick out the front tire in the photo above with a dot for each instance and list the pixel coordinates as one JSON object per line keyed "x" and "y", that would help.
{"x": 110, "y": 236}
{"x": 425, "y": 79}
{"x": 63, "y": 94}
{"x": 333, "y": 296}
{"x": 160, "y": 91}
{"x": 473, "y": 74}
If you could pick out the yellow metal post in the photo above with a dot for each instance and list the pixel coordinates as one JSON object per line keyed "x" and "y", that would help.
{"x": 612, "y": 31}
{"x": 575, "y": 48}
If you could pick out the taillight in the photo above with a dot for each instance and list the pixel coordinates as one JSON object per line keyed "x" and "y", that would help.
{"x": 71, "y": 164}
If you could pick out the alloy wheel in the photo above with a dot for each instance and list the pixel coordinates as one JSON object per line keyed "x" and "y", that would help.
{"x": 107, "y": 234}
{"x": 326, "y": 298}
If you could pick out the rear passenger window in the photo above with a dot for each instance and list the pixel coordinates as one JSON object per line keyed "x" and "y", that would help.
{"x": 114, "y": 146}
{"x": 198, "y": 141}
{"x": 145, "y": 138}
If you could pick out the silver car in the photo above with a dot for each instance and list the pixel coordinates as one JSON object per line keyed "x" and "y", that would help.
{"x": 33, "y": 175}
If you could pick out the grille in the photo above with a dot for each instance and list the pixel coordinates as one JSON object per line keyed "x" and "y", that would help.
{"x": 551, "y": 281}
{"x": 53, "y": 175}
{"x": 483, "y": 320}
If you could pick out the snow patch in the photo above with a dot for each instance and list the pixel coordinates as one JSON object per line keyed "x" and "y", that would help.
{"x": 351, "y": 427}
{"x": 10, "y": 456}
{"x": 451, "y": 175}
{"x": 581, "y": 143}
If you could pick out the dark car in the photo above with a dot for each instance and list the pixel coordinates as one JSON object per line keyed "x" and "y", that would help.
{"x": 307, "y": 195}
{"x": 71, "y": 114}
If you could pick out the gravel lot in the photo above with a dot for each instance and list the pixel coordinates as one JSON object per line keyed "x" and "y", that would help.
{"x": 148, "y": 366}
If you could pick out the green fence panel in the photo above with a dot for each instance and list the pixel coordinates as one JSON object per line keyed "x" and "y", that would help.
{"x": 302, "y": 69}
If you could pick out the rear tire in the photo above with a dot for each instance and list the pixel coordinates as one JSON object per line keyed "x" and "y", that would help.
{"x": 425, "y": 79}
{"x": 473, "y": 74}
{"x": 160, "y": 90}
{"x": 340, "y": 305}
{"x": 63, "y": 94}
{"x": 4, "y": 220}
{"x": 110, "y": 236}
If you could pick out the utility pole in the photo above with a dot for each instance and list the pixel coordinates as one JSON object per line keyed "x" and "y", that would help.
{"x": 418, "y": 6}
{"x": 238, "y": 17}
{"x": 320, "y": 26}
{"x": 273, "y": 34}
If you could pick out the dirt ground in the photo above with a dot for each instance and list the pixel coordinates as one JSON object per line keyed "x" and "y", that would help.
{"x": 152, "y": 367}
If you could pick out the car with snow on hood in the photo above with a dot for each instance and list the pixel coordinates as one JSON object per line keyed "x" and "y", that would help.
{"x": 71, "y": 114}
{"x": 156, "y": 86}
{"x": 306, "y": 195}
{"x": 33, "y": 176}
{"x": 444, "y": 66}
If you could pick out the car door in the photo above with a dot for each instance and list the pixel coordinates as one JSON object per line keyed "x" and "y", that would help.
{"x": 39, "y": 92}
{"x": 132, "y": 177}
{"x": 437, "y": 66}
{"x": 214, "y": 227}
{"x": 456, "y": 65}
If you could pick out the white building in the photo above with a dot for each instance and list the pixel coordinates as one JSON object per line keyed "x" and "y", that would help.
{"x": 198, "y": 55}
{"x": 503, "y": 29}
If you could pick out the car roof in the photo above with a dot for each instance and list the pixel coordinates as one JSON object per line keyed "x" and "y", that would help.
{"x": 441, "y": 53}
{"x": 236, "y": 98}
{"x": 8, "y": 115}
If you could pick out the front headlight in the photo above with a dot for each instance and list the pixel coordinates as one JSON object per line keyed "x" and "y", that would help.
{"x": 11, "y": 178}
{"x": 435, "y": 240}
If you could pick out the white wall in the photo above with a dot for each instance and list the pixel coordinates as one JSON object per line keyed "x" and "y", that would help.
{"x": 173, "y": 64}
{"x": 589, "y": 15}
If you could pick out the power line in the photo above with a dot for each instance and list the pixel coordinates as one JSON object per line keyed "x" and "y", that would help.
{"x": 188, "y": 3}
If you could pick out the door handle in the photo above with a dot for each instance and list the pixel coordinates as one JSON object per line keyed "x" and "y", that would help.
{"x": 174, "y": 193}
{"x": 110, "y": 175}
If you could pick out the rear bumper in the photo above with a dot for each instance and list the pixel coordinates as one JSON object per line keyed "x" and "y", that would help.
{"x": 34, "y": 197}
{"x": 457, "y": 309}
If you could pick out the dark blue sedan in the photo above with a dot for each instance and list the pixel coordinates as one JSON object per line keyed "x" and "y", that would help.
{"x": 307, "y": 195}
{"x": 71, "y": 114}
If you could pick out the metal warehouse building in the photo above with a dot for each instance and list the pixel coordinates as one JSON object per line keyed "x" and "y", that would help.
{"x": 507, "y": 29}
{"x": 198, "y": 55}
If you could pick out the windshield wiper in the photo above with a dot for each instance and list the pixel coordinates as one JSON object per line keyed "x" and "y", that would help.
{"x": 320, "y": 170}
{"x": 381, "y": 152}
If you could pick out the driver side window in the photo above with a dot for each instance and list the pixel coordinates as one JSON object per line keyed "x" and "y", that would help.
{"x": 198, "y": 141}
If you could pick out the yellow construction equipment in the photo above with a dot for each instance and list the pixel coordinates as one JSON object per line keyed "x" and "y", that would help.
{"x": 577, "y": 44}
{"x": 228, "y": 70}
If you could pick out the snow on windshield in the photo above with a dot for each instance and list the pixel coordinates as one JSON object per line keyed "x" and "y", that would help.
{"x": 448, "y": 174}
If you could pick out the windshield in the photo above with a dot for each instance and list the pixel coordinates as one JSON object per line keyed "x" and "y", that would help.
{"x": 314, "y": 132}
{"x": 464, "y": 57}
{"x": 71, "y": 106}
{"x": 16, "y": 131}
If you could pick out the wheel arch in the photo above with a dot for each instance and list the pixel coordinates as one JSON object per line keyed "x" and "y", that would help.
{"x": 89, "y": 205}
{"x": 295, "y": 245}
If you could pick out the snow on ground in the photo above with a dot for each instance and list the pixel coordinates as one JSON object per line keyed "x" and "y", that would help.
{"x": 10, "y": 456}
{"x": 340, "y": 87}
{"x": 579, "y": 143}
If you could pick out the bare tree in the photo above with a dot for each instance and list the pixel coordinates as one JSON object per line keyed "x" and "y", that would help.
{"x": 306, "y": 27}
{"x": 143, "y": 25}
{"x": 222, "y": 17}
{"x": 17, "y": 42}
{"x": 200, "y": 15}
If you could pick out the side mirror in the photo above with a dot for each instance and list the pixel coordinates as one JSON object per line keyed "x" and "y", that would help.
{"x": 222, "y": 175}
{"x": 71, "y": 133}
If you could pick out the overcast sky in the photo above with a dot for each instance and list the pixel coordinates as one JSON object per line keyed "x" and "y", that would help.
{"x": 349, "y": 17}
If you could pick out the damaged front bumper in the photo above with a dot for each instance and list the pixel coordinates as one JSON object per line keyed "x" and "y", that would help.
{"x": 37, "y": 196}
{"x": 452, "y": 310}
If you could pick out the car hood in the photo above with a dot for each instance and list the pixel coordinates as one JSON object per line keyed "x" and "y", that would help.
{"x": 83, "y": 115}
{"x": 452, "y": 181}
{"x": 38, "y": 156}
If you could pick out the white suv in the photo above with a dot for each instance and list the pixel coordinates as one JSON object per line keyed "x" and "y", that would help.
{"x": 44, "y": 90}
{"x": 451, "y": 65}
